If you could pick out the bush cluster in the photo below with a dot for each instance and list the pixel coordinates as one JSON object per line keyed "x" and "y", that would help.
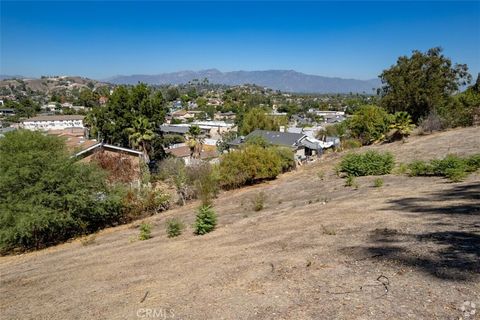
{"x": 197, "y": 181}
{"x": 252, "y": 164}
{"x": 139, "y": 203}
{"x": 258, "y": 201}
{"x": 174, "y": 227}
{"x": 145, "y": 231}
{"x": 370, "y": 163}
{"x": 452, "y": 167}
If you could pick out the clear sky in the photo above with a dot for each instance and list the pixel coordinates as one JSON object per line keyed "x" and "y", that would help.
{"x": 344, "y": 39}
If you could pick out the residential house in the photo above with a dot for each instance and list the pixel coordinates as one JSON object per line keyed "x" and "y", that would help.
{"x": 51, "y": 106}
{"x": 208, "y": 153}
{"x": 183, "y": 115}
{"x": 214, "y": 102}
{"x": 304, "y": 147}
{"x": 57, "y": 122}
{"x": 224, "y": 116}
{"x": 67, "y": 105}
{"x": 215, "y": 128}
{"x": 208, "y": 129}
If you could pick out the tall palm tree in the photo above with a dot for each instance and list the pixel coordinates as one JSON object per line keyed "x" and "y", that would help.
{"x": 140, "y": 135}
{"x": 195, "y": 141}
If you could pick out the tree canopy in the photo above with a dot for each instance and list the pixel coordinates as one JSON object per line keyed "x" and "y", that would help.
{"x": 45, "y": 196}
{"x": 421, "y": 83}
{"x": 127, "y": 104}
{"x": 256, "y": 118}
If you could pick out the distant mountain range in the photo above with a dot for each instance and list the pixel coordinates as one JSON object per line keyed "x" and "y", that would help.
{"x": 284, "y": 80}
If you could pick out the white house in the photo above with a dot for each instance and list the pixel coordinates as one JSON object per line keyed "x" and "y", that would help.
{"x": 211, "y": 129}
{"x": 59, "y": 122}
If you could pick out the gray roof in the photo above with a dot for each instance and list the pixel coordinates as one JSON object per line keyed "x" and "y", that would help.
{"x": 273, "y": 137}
{"x": 174, "y": 129}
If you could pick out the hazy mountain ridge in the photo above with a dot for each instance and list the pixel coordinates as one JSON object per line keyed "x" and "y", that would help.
{"x": 284, "y": 80}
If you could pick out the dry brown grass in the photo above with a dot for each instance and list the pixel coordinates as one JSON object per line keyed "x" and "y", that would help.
{"x": 295, "y": 259}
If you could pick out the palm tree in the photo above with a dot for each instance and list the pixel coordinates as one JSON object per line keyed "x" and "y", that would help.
{"x": 140, "y": 135}
{"x": 195, "y": 141}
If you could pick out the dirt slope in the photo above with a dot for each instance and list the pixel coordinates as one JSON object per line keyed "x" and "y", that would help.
{"x": 319, "y": 250}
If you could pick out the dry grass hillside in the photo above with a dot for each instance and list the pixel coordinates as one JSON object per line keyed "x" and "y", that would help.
{"x": 318, "y": 250}
{"x": 46, "y": 85}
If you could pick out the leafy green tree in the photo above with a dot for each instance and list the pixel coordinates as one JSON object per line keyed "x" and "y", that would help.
{"x": 169, "y": 139}
{"x": 421, "y": 83}
{"x": 26, "y": 107}
{"x": 126, "y": 105}
{"x": 369, "y": 124}
{"x": 172, "y": 94}
{"x": 256, "y": 118}
{"x": 463, "y": 107}
{"x": 46, "y": 196}
{"x": 88, "y": 98}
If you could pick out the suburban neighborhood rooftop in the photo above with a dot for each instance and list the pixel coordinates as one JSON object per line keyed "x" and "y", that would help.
{"x": 56, "y": 118}
{"x": 273, "y": 137}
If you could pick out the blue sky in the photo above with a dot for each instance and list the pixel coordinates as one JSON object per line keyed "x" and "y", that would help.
{"x": 344, "y": 39}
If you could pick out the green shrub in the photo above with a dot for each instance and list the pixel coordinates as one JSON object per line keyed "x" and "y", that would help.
{"x": 206, "y": 220}
{"x": 351, "y": 182}
{"x": 204, "y": 180}
{"x": 154, "y": 201}
{"x": 249, "y": 165}
{"x": 46, "y": 197}
{"x": 287, "y": 159}
{"x": 420, "y": 168}
{"x": 174, "y": 227}
{"x": 378, "y": 182}
{"x": 452, "y": 167}
{"x": 402, "y": 168}
{"x": 401, "y": 125}
{"x": 197, "y": 181}
{"x": 258, "y": 201}
{"x": 473, "y": 163}
{"x": 145, "y": 231}
{"x": 366, "y": 164}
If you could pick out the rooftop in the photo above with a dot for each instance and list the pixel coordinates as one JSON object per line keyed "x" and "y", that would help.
{"x": 55, "y": 118}
{"x": 273, "y": 137}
